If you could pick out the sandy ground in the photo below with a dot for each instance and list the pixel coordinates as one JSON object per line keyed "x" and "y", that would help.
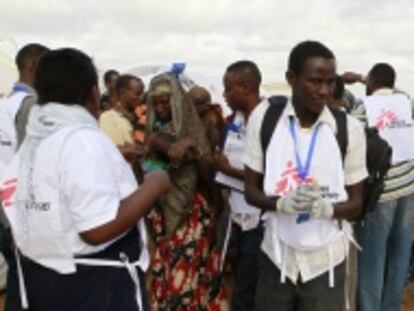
{"x": 408, "y": 304}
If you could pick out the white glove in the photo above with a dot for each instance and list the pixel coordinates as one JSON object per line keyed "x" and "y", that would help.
{"x": 320, "y": 208}
{"x": 294, "y": 202}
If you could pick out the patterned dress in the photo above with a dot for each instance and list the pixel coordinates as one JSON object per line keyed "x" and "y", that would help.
{"x": 185, "y": 267}
{"x": 185, "y": 272}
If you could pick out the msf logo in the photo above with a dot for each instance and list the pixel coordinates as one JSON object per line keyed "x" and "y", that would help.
{"x": 386, "y": 119}
{"x": 9, "y": 188}
{"x": 290, "y": 180}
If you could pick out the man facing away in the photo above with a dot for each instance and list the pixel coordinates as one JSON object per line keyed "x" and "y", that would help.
{"x": 386, "y": 234}
{"x": 241, "y": 90}
{"x": 306, "y": 189}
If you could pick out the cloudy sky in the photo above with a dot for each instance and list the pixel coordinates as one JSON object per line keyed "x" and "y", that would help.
{"x": 210, "y": 34}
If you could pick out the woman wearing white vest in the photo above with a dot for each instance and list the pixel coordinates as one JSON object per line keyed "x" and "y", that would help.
{"x": 72, "y": 200}
{"x": 306, "y": 190}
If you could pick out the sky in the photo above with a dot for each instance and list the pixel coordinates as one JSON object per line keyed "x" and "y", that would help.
{"x": 210, "y": 35}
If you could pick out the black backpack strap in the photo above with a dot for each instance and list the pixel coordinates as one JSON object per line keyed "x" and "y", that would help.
{"x": 272, "y": 115}
{"x": 342, "y": 130}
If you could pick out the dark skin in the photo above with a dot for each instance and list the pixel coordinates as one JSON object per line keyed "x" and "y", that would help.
{"x": 176, "y": 151}
{"x": 129, "y": 98}
{"x": 132, "y": 208}
{"x": 26, "y": 75}
{"x": 241, "y": 94}
{"x": 311, "y": 90}
{"x": 110, "y": 85}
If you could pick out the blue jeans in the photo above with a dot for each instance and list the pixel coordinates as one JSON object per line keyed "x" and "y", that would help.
{"x": 385, "y": 237}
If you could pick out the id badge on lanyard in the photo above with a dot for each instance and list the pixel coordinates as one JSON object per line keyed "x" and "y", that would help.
{"x": 303, "y": 170}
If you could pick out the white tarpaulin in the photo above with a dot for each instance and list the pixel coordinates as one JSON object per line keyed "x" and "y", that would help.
{"x": 187, "y": 78}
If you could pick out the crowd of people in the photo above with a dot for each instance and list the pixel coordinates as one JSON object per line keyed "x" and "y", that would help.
{"x": 146, "y": 197}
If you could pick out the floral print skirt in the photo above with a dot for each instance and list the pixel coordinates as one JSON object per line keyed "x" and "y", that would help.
{"x": 185, "y": 272}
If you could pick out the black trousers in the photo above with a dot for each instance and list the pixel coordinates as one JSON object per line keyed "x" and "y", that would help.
{"x": 91, "y": 288}
{"x": 12, "y": 302}
{"x": 314, "y": 295}
{"x": 244, "y": 290}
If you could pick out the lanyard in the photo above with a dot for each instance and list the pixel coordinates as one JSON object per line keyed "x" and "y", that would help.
{"x": 233, "y": 127}
{"x": 303, "y": 170}
{"x": 20, "y": 88}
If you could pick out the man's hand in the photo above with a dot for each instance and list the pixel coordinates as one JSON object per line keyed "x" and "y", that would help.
{"x": 129, "y": 151}
{"x": 221, "y": 162}
{"x": 320, "y": 208}
{"x": 294, "y": 202}
{"x": 352, "y": 77}
{"x": 179, "y": 149}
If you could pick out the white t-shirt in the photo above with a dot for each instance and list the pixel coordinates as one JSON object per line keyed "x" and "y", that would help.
{"x": 244, "y": 214}
{"x": 312, "y": 263}
{"x": 94, "y": 178}
{"x": 354, "y": 165}
{"x": 8, "y": 140}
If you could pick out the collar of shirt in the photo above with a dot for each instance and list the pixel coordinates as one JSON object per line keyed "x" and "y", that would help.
{"x": 383, "y": 92}
{"x": 23, "y": 87}
{"x": 325, "y": 116}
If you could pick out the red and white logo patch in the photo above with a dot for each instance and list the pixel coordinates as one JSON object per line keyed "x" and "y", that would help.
{"x": 290, "y": 180}
{"x": 9, "y": 188}
{"x": 386, "y": 119}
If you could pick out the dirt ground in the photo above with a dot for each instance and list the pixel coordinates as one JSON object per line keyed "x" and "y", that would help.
{"x": 408, "y": 303}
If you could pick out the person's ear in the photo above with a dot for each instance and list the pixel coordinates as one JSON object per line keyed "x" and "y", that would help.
{"x": 290, "y": 77}
{"x": 31, "y": 65}
{"x": 94, "y": 102}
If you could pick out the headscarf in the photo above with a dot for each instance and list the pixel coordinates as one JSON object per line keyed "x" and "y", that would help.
{"x": 185, "y": 120}
{"x": 184, "y": 123}
{"x": 198, "y": 93}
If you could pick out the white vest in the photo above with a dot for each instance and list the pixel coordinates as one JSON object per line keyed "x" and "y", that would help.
{"x": 234, "y": 148}
{"x": 392, "y": 116}
{"x": 49, "y": 247}
{"x": 282, "y": 177}
{"x": 8, "y": 140}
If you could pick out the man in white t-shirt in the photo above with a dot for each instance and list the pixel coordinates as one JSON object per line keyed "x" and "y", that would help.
{"x": 385, "y": 236}
{"x": 72, "y": 201}
{"x": 14, "y": 114}
{"x": 241, "y": 90}
{"x": 306, "y": 189}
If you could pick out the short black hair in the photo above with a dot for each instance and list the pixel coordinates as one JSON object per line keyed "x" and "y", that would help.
{"x": 65, "y": 76}
{"x": 108, "y": 74}
{"x": 124, "y": 80}
{"x": 29, "y": 52}
{"x": 248, "y": 71}
{"x": 383, "y": 75}
{"x": 305, "y": 50}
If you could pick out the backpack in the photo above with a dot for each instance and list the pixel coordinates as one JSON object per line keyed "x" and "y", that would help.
{"x": 378, "y": 155}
